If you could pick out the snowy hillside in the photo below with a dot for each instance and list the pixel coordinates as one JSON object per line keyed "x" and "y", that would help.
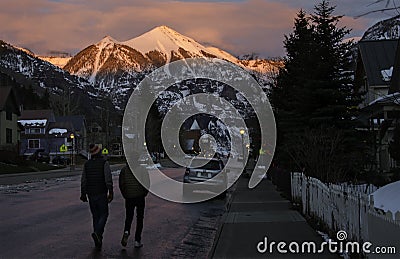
{"x": 155, "y": 48}
{"x": 386, "y": 29}
{"x": 107, "y": 56}
{"x": 57, "y": 61}
{"x": 29, "y": 71}
{"x": 117, "y": 67}
{"x": 44, "y": 74}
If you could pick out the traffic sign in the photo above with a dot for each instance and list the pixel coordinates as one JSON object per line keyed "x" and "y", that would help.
{"x": 104, "y": 151}
{"x": 63, "y": 148}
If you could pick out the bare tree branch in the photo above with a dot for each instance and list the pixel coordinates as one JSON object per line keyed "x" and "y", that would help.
{"x": 375, "y": 11}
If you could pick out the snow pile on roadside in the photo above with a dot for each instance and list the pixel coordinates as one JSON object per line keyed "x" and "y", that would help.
{"x": 387, "y": 197}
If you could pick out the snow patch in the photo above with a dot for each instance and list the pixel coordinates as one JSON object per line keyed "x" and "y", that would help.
{"x": 58, "y": 131}
{"x": 387, "y": 197}
{"x": 387, "y": 74}
{"x": 38, "y": 123}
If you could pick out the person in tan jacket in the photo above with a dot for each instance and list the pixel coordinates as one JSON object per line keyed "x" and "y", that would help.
{"x": 134, "y": 193}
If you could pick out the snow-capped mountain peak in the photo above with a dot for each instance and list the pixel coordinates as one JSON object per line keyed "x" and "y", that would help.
{"x": 117, "y": 66}
{"x": 106, "y": 56}
{"x": 167, "y": 41}
{"x": 106, "y": 41}
{"x": 155, "y": 48}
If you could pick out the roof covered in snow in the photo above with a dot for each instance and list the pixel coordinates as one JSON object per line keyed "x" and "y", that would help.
{"x": 33, "y": 123}
{"x": 387, "y": 99}
{"x": 58, "y": 131}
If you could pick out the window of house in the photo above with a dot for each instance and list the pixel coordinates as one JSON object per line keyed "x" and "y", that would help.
{"x": 8, "y": 115}
{"x": 36, "y": 131}
{"x": 9, "y": 136}
{"x": 33, "y": 143}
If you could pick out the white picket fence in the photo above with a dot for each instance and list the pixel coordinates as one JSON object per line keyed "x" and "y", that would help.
{"x": 346, "y": 208}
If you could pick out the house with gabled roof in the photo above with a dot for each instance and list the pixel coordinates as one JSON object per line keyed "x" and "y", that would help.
{"x": 35, "y": 134}
{"x": 79, "y": 128}
{"x": 374, "y": 66}
{"x": 43, "y": 130}
{"x": 9, "y": 113}
{"x": 377, "y": 66}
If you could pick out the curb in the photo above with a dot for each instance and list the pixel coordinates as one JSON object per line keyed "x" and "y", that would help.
{"x": 221, "y": 220}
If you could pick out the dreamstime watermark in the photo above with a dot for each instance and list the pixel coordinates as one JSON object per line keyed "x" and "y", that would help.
{"x": 310, "y": 247}
{"x": 156, "y": 84}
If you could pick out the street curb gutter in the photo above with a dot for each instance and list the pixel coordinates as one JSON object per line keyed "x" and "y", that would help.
{"x": 222, "y": 220}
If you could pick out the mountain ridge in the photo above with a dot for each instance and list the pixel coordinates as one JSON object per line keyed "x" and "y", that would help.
{"x": 117, "y": 67}
{"x": 150, "y": 50}
{"x": 385, "y": 29}
{"x": 31, "y": 72}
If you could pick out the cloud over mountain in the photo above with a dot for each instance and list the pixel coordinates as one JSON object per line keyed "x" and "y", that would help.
{"x": 239, "y": 27}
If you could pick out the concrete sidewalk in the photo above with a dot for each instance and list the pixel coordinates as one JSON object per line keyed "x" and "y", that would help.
{"x": 259, "y": 213}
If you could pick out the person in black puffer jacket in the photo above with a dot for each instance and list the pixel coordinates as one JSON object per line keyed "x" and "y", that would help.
{"x": 96, "y": 183}
{"x": 134, "y": 189}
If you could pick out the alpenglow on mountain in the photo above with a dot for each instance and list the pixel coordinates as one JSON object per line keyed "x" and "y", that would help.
{"x": 66, "y": 92}
{"x": 118, "y": 67}
{"x": 152, "y": 49}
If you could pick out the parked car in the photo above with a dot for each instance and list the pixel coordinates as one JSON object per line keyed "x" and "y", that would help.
{"x": 40, "y": 156}
{"x": 61, "y": 160}
{"x": 201, "y": 171}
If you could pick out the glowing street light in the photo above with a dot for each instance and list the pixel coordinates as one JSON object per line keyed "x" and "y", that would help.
{"x": 72, "y": 136}
{"x": 242, "y": 131}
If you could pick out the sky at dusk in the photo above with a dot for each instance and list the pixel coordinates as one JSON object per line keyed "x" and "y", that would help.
{"x": 237, "y": 26}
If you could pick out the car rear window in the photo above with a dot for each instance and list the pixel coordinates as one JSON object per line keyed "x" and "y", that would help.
{"x": 212, "y": 165}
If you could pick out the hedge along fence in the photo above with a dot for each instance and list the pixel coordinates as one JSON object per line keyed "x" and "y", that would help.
{"x": 346, "y": 208}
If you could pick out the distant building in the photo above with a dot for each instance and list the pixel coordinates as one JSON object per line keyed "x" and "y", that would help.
{"x": 35, "y": 134}
{"x": 109, "y": 138}
{"x": 42, "y": 130}
{"x": 9, "y": 113}
{"x": 190, "y": 137}
{"x": 78, "y": 127}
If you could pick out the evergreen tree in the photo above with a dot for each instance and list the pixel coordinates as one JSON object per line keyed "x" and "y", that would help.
{"x": 286, "y": 96}
{"x": 314, "y": 99}
{"x": 293, "y": 75}
{"x": 45, "y": 99}
{"x": 332, "y": 88}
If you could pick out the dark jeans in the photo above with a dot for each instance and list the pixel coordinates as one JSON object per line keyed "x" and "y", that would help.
{"x": 99, "y": 208}
{"x": 130, "y": 205}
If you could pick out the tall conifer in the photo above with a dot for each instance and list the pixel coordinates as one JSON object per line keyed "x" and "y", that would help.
{"x": 315, "y": 100}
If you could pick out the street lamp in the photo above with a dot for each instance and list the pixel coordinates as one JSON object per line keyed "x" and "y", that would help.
{"x": 72, "y": 136}
{"x": 242, "y": 131}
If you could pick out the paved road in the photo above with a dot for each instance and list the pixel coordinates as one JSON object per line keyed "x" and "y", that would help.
{"x": 17, "y": 178}
{"x": 45, "y": 219}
